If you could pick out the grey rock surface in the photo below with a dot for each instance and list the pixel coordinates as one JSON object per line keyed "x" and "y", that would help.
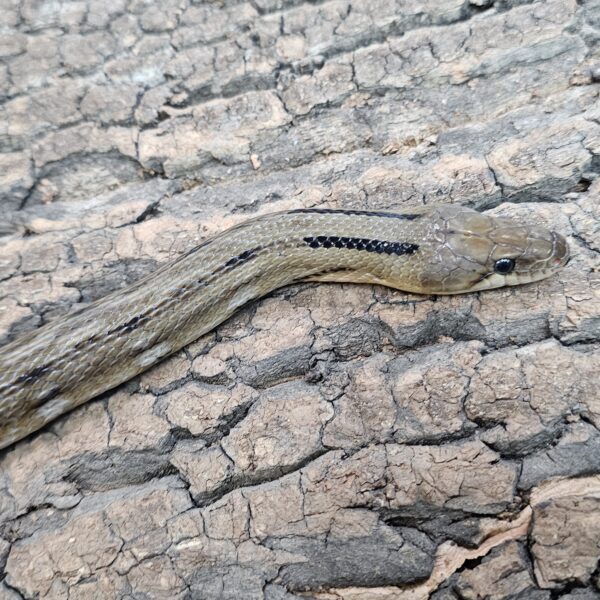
{"x": 332, "y": 442}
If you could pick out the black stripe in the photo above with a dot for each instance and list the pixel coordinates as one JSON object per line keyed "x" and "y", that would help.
{"x": 144, "y": 317}
{"x": 352, "y": 243}
{"x": 198, "y": 247}
{"x": 329, "y": 272}
{"x": 364, "y": 213}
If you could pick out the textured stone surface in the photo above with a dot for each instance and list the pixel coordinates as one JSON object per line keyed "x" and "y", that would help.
{"x": 336, "y": 442}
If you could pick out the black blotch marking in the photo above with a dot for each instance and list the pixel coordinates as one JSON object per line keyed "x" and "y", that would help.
{"x": 364, "y": 213}
{"x": 378, "y": 246}
{"x": 240, "y": 258}
{"x": 130, "y": 325}
{"x": 34, "y": 374}
{"x": 50, "y": 395}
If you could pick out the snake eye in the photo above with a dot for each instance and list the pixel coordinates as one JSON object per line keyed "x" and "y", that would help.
{"x": 504, "y": 265}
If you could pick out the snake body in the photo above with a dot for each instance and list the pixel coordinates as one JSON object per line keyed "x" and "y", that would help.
{"x": 446, "y": 249}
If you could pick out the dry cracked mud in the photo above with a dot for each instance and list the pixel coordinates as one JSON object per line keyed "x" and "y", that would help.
{"x": 330, "y": 442}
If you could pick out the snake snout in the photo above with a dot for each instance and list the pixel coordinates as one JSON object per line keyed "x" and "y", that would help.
{"x": 546, "y": 250}
{"x": 560, "y": 250}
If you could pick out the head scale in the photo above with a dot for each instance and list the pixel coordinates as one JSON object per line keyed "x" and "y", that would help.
{"x": 471, "y": 251}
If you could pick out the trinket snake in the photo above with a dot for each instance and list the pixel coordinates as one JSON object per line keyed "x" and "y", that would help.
{"x": 444, "y": 249}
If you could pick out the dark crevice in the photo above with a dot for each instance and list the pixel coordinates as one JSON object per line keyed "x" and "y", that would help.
{"x": 113, "y": 469}
{"x": 225, "y": 424}
{"x": 581, "y": 186}
{"x": 259, "y": 477}
{"x": 152, "y": 210}
{"x": 572, "y": 586}
{"x": 16, "y": 591}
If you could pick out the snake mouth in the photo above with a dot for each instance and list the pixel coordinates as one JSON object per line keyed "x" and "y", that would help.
{"x": 493, "y": 280}
{"x": 559, "y": 257}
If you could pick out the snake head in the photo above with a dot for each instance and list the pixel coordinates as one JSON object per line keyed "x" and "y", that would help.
{"x": 474, "y": 251}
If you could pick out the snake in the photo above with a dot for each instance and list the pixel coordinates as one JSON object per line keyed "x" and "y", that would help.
{"x": 433, "y": 250}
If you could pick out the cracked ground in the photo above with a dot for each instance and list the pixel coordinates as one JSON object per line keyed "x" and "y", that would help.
{"x": 330, "y": 442}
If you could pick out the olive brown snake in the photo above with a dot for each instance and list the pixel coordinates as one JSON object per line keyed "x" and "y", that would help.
{"x": 446, "y": 249}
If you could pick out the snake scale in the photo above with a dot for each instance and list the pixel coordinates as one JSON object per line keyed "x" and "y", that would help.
{"x": 445, "y": 249}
